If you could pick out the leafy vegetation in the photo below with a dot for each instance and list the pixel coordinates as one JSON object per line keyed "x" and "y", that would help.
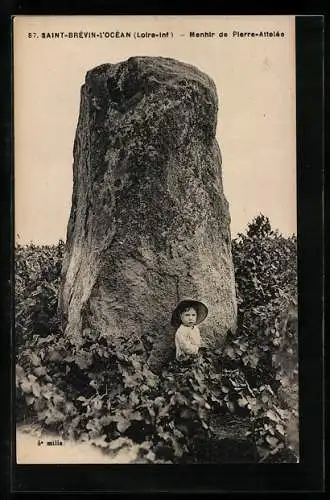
{"x": 104, "y": 393}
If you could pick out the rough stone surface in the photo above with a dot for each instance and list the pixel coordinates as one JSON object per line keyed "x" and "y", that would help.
{"x": 149, "y": 222}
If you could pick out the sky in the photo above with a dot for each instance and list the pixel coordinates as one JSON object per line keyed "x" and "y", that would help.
{"x": 255, "y": 80}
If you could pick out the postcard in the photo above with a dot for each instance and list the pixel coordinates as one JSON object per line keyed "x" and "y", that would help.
{"x": 155, "y": 240}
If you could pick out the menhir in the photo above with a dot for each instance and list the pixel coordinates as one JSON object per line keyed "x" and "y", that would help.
{"x": 149, "y": 222}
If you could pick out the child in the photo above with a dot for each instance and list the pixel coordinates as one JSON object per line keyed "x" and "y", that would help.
{"x": 187, "y": 314}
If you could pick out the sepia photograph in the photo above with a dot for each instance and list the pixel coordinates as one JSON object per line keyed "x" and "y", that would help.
{"x": 155, "y": 301}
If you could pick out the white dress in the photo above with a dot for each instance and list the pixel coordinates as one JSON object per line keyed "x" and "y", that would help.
{"x": 187, "y": 340}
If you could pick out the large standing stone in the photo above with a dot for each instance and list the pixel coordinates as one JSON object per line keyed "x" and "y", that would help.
{"x": 149, "y": 222}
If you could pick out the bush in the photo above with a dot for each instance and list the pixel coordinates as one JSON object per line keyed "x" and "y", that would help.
{"x": 105, "y": 392}
{"x": 265, "y": 266}
{"x": 266, "y": 287}
{"x": 37, "y": 278}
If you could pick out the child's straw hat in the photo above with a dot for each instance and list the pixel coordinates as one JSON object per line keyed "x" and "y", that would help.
{"x": 199, "y": 307}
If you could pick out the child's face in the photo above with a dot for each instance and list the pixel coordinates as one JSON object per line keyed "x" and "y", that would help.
{"x": 189, "y": 317}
